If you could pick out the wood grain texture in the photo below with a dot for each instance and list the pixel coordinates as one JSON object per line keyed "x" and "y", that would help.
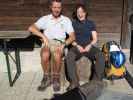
{"x": 19, "y": 14}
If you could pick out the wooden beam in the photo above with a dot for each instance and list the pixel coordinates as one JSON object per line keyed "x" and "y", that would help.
{"x": 124, "y": 26}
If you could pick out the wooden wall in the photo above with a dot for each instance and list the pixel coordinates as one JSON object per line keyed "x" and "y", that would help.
{"x": 19, "y": 14}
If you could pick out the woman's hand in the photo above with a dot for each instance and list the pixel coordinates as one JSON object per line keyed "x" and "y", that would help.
{"x": 80, "y": 48}
{"x": 87, "y": 48}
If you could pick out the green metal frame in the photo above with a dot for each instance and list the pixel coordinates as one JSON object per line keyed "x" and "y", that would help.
{"x": 16, "y": 61}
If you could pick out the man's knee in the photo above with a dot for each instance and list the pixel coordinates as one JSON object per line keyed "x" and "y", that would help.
{"x": 45, "y": 54}
{"x": 57, "y": 54}
{"x": 57, "y": 58}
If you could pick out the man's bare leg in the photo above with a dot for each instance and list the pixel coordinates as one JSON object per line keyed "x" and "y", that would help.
{"x": 56, "y": 69}
{"x": 45, "y": 54}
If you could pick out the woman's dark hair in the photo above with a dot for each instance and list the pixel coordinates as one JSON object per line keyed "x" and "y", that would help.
{"x": 74, "y": 14}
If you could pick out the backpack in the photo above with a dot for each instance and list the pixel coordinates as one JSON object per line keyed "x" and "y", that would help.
{"x": 114, "y": 61}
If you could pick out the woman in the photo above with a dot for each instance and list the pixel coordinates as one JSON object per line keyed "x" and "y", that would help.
{"x": 85, "y": 39}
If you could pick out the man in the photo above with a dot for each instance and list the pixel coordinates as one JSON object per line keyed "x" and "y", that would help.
{"x": 55, "y": 26}
{"x": 85, "y": 39}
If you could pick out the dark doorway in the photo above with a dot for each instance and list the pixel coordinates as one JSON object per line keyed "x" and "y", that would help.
{"x": 131, "y": 43}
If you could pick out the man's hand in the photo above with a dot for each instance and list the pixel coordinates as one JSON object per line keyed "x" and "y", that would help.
{"x": 45, "y": 42}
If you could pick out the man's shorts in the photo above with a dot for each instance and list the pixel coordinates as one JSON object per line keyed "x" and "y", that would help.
{"x": 53, "y": 44}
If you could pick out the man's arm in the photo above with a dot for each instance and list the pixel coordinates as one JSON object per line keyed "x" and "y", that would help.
{"x": 37, "y": 32}
{"x": 70, "y": 39}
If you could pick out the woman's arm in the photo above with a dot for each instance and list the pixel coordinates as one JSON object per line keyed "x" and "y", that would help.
{"x": 94, "y": 38}
{"x": 93, "y": 42}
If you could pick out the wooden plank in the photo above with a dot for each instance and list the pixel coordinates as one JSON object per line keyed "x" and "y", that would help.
{"x": 17, "y": 20}
{"x": 13, "y": 34}
{"x": 14, "y": 27}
